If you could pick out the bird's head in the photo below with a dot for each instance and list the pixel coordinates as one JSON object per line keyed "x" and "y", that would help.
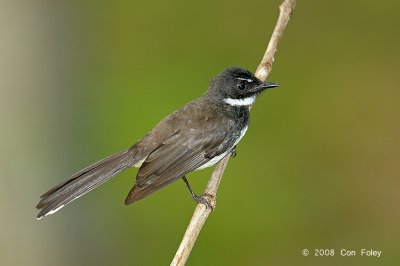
{"x": 237, "y": 87}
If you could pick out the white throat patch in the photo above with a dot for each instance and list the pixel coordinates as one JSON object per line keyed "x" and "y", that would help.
{"x": 240, "y": 102}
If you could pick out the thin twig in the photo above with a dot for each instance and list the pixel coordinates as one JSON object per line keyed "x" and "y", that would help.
{"x": 201, "y": 213}
{"x": 285, "y": 12}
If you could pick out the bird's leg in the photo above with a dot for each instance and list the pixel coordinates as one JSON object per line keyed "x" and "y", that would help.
{"x": 198, "y": 199}
{"x": 233, "y": 152}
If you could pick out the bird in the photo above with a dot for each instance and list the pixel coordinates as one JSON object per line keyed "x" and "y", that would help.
{"x": 194, "y": 137}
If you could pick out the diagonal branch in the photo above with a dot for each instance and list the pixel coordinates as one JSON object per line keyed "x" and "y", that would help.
{"x": 201, "y": 213}
{"x": 285, "y": 13}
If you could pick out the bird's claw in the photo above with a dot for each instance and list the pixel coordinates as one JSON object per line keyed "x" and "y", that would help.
{"x": 202, "y": 199}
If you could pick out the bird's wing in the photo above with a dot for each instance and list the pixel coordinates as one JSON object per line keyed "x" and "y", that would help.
{"x": 178, "y": 155}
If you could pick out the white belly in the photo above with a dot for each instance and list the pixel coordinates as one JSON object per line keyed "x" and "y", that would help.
{"x": 213, "y": 161}
{"x": 218, "y": 158}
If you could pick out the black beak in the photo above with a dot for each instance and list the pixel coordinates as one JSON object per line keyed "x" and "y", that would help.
{"x": 265, "y": 85}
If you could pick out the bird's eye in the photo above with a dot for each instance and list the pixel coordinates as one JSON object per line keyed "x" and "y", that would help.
{"x": 241, "y": 86}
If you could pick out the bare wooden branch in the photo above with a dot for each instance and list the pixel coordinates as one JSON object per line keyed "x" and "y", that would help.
{"x": 285, "y": 13}
{"x": 201, "y": 213}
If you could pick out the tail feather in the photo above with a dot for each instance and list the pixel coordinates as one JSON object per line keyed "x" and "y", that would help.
{"x": 85, "y": 181}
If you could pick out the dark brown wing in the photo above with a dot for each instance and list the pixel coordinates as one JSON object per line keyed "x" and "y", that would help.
{"x": 189, "y": 148}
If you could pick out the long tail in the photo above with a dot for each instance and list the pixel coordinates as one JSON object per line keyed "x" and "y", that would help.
{"x": 85, "y": 181}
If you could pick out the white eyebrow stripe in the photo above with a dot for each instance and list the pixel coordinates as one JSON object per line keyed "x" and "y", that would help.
{"x": 240, "y": 102}
{"x": 248, "y": 80}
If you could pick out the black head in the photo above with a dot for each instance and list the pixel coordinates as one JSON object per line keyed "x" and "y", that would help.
{"x": 237, "y": 86}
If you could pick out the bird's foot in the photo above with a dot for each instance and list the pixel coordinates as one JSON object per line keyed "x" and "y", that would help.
{"x": 202, "y": 199}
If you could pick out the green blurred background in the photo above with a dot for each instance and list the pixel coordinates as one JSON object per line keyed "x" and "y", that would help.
{"x": 319, "y": 167}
